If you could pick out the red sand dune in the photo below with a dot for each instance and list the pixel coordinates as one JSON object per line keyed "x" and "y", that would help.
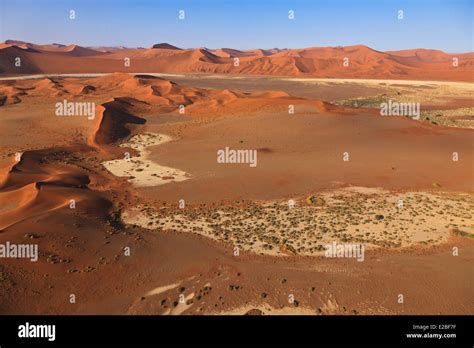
{"x": 10, "y": 94}
{"x": 364, "y": 62}
{"x": 115, "y": 119}
{"x": 144, "y": 91}
{"x": 70, "y": 50}
{"x": 113, "y": 122}
{"x": 426, "y": 55}
{"x": 41, "y": 183}
{"x": 166, "y": 46}
{"x": 8, "y": 56}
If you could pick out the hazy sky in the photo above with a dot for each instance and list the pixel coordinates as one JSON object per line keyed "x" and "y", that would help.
{"x": 242, "y": 24}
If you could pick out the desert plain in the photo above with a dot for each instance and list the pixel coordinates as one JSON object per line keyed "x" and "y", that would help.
{"x": 133, "y": 213}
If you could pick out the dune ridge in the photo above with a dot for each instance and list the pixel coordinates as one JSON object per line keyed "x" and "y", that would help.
{"x": 113, "y": 122}
{"x": 39, "y": 183}
{"x": 149, "y": 92}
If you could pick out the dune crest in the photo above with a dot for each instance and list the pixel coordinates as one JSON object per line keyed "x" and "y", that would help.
{"x": 114, "y": 122}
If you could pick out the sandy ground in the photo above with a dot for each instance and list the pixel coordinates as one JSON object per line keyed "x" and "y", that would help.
{"x": 309, "y": 80}
{"x": 264, "y": 309}
{"x": 139, "y": 169}
{"x": 381, "y": 219}
{"x": 224, "y": 283}
{"x": 297, "y": 155}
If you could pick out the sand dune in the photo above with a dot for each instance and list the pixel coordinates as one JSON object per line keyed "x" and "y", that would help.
{"x": 78, "y": 51}
{"x": 150, "y": 92}
{"x": 69, "y": 50}
{"x": 361, "y": 61}
{"x": 10, "y": 54}
{"x": 39, "y": 184}
{"x": 427, "y": 55}
{"x": 10, "y": 94}
{"x": 166, "y": 46}
{"x": 113, "y": 122}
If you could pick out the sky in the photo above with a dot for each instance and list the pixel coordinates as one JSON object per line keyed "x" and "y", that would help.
{"x": 243, "y": 24}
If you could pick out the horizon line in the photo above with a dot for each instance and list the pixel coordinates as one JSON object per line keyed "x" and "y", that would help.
{"x": 234, "y": 48}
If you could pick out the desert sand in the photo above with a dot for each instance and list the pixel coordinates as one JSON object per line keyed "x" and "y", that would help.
{"x": 182, "y": 259}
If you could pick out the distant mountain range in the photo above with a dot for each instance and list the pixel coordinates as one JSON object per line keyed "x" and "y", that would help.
{"x": 357, "y": 61}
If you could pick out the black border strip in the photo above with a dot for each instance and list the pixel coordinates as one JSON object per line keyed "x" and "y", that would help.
{"x": 224, "y": 330}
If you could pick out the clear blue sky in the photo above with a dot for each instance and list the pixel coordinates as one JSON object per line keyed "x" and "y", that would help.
{"x": 243, "y": 24}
